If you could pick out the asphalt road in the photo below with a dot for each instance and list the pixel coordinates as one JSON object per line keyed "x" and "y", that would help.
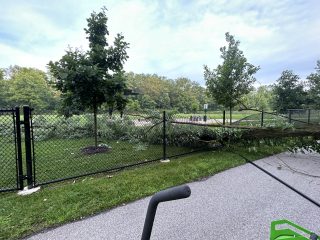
{"x": 238, "y": 203}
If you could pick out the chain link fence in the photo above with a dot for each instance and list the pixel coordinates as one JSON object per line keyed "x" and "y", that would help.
{"x": 8, "y": 154}
{"x": 299, "y": 117}
{"x": 65, "y": 147}
{"x": 304, "y": 116}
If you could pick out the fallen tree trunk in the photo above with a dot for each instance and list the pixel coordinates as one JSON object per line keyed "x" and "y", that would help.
{"x": 264, "y": 132}
{"x": 218, "y": 125}
{"x": 311, "y": 130}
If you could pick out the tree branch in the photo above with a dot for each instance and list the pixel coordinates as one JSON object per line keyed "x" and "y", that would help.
{"x": 218, "y": 125}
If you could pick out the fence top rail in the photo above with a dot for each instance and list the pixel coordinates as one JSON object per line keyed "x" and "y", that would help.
{"x": 7, "y": 109}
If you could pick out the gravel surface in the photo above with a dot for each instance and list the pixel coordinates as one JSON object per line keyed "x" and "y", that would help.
{"x": 238, "y": 203}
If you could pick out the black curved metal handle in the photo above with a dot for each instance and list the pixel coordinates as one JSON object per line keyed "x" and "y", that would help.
{"x": 166, "y": 195}
{"x": 172, "y": 194}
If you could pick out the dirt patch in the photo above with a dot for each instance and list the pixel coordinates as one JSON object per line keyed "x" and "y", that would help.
{"x": 92, "y": 150}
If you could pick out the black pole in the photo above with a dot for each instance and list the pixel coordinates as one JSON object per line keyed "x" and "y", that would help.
{"x": 33, "y": 158}
{"x": 26, "y": 113}
{"x": 166, "y": 195}
{"x": 224, "y": 117}
{"x": 18, "y": 134}
{"x": 306, "y": 197}
{"x": 164, "y": 135}
{"x": 262, "y": 118}
{"x": 309, "y": 115}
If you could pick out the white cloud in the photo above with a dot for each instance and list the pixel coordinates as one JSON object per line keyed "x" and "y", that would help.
{"x": 170, "y": 38}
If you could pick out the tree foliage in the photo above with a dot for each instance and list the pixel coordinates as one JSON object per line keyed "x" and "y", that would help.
{"x": 83, "y": 77}
{"x": 25, "y": 86}
{"x": 178, "y": 94}
{"x": 164, "y": 99}
{"x": 230, "y": 81}
{"x": 288, "y": 93}
{"x": 3, "y": 90}
{"x": 314, "y": 83}
{"x": 29, "y": 87}
{"x": 147, "y": 102}
{"x": 135, "y": 106}
{"x": 260, "y": 98}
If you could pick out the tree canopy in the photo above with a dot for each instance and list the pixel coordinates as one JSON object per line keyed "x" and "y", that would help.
{"x": 260, "y": 98}
{"x": 165, "y": 93}
{"x": 288, "y": 92}
{"x": 230, "y": 81}
{"x": 314, "y": 83}
{"x": 3, "y": 89}
{"x": 29, "y": 87}
{"x": 25, "y": 86}
{"x": 83, "y": 77}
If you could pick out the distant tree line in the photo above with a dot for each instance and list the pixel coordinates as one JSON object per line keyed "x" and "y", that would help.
{"x": 22, "y": 86}
{"x": 159, "y": 92}
{"x": 26, "y": 86}
{"x": 229, "y": 86}
{"x": 30, "y": 86}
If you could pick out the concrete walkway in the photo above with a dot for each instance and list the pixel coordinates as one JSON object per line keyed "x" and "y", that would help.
{"x": 238, "y": 203}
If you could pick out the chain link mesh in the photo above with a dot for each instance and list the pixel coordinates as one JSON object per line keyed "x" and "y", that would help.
{"x": 8, "y": 164}
{"x": 65, "y": 147}
{"x": 299, "y": 117}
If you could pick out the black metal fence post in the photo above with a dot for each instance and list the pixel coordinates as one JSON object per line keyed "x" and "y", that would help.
{"x": 26, "y": 113}
{"x": 262, "y": 118}
{"x": 164, "y": 135}
{"x": 18, "y": 142}
{"x": 309, "y": 115}
{"x": 224, "y": 117}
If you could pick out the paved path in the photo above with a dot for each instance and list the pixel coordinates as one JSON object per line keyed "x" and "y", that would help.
{"x": 238, "y": 203}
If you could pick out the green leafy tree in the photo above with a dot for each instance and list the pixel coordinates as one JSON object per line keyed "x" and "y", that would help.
{"x": 164, "y": 99}
{"x": 194, "y": 107}
{"x": 152, "y": 86}
{"x": 182, "y": 94}
{"x": 314, "y": 83}
{"x": 260, "y": 98}
{"x": 12, "y": 70}
{"x": 230, "y": 81}
{"x": 28, "y": 87}
{"x": 288, "y": 93}
{"x": 1, "y": 73}
{"x": 147, "y": 102}
{"x": 3, "y": 90}
{"x": 83, "y": 78}
{"x": 135, "y": 106}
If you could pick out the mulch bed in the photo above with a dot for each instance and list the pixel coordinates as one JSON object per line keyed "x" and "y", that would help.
{"x": 92, "y": 150}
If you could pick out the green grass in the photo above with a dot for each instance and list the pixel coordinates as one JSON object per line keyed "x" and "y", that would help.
{"x": 65, "y": 202}
{"x": 219, "y": 114}
{"x": 59, "y": 159}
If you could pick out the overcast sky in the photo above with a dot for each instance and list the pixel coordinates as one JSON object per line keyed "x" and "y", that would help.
{"x": 170, "y": 38}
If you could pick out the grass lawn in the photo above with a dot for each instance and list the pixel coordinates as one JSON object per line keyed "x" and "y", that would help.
{"x": 63, "y": 202}
{"x": 219, "y": 114}
{"x": 63, "y": 158}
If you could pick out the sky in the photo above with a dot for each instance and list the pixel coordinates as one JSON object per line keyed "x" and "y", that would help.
{"x": 168, "y": 38}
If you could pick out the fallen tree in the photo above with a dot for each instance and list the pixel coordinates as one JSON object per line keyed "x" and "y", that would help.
{"x": 267, "y": 132}
{"x": 309, "y": 130}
